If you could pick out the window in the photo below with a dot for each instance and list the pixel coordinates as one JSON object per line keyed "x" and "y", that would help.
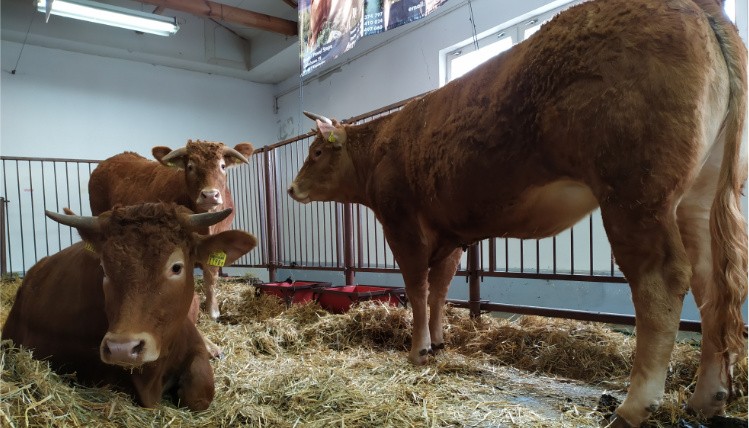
{"x": 730, "y": 8}
{"x": 464, "y": 58}
{"x": 463, "y": 63}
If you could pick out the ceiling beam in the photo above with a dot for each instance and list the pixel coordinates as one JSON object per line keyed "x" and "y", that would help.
{"x": 230, "y": 14}
{"x": 291, "y": 3}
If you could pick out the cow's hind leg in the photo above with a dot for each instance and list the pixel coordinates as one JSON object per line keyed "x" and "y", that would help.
{"x": 210, "y": 278}
{"x": 714, "y": 379}
{"x": 649, "y": 251}
{"x": 440, "y": 275}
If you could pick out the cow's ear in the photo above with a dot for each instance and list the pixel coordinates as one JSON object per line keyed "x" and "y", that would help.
{"x": 159, "y": 152}
{"x": 332, "y": 134}
{"x": 244, "y": 149}
{"x": 223, "y": 248}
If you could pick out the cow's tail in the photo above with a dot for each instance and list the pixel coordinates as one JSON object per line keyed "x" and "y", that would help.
{"x": 728, "y": 228}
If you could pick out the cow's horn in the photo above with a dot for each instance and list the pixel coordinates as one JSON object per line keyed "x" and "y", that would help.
{"x": 176, "y": 153}
{"x": 314, "y": 116}
{"x": 230, "y": 151}
{"x": 77, "y": 221}
{"x": 208, "y": 219}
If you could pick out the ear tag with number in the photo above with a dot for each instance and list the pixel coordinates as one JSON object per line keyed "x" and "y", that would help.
{"x": 217, "y": 259}
{"x": 332, "y": 137}
{"x": 89, "y": 247}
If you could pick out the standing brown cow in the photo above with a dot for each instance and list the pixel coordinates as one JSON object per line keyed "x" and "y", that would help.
{"x": 114, "y": 309}
{"x": 193, "y": 176}
{"x": 636, "y": 106}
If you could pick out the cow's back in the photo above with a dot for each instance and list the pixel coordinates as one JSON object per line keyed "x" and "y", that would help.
{"x": 59, "y": 313}
{"x": 130, "y": 179}
{"x": 584, "y": 105}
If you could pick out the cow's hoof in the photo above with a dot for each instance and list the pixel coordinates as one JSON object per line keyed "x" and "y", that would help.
{"x": 436, "y": 349}
{"x": 616, "y": 421}
{"x": 708, "y": 406}
{"x": 420, "y": 358}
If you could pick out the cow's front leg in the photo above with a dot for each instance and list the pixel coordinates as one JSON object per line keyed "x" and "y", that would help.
{"x": 417, "y": 291}
{"x": 412, "y": 258}
{"x": 192, "y": 315}
{"x": 210, "y": 278}
{"x": 440, "y": 275}
{"x": 196, "y": 386}
{"x": 148, "y": 385}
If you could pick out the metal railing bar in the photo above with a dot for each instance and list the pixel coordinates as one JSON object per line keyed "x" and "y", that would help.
{"x": 6, "y": 226}
{"x": 27, "y": 158}
{"x": 67, "y": 187}
{"x": 590, "y": 222}
{"x": 33, "y": 223}
{"x": 20, "y": 219}
{"x": 572, "y": 250}
{"x": 609, "y": 318}
{"x": 507, "y": 254}
{"x": 522, "y": 252}
{"x": 57, "y": 206}
{"x": 80, "y": 195}
{"x": 44, "y": 206}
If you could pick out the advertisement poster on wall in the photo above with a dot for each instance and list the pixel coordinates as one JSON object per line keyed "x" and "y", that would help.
{"x": 328, "y": 28}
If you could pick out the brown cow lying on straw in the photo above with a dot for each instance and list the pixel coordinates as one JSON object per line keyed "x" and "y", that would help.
{"x": 114, "y": 309}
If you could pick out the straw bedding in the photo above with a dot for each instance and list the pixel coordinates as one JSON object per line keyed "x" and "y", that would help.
{"x": 305, "y": 367}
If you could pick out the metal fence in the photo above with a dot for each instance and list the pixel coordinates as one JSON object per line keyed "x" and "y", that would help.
{"x": 316, "y": 236}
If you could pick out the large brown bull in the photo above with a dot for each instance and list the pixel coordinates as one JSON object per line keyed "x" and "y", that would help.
{"x": 193, "y": 176}
{"x": 114, "y": 309}
{"x": 633, "y": 106}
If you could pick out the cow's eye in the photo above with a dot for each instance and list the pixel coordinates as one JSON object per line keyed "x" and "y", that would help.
{"x": 318, "y": 152}
{"x": 102, "y": 271}
{"x": 176, "y": 269}
{"x": 189, "y": 168}
{"x": 223, "y": 166}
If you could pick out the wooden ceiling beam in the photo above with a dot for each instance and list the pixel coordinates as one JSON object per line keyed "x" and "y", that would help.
{"x": 230, "y": 14}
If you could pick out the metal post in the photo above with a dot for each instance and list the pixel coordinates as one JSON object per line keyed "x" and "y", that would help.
{"x": 270, "y": 217}
{"x": 474, "y": 285}
{"x": 348, "y": 243}
{"x": 3, "y": 267}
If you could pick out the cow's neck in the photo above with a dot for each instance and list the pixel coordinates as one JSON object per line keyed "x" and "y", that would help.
{"x": 361, "y": 147}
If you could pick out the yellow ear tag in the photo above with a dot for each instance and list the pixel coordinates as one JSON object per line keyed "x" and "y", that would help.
{"x": 89, "y": 247}
{"x": 217, "y": 259}
{"x": 332, "y": 137}
{"x": 170, "y": 164}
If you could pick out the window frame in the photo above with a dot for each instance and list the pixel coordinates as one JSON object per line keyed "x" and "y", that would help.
{"x": 515, "y": 30}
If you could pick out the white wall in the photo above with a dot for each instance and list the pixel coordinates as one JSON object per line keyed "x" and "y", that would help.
{"x": 69, "y": 105}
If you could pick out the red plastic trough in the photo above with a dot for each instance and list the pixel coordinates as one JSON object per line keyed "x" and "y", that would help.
{"x": 338, "y": 299}
{"x": 292, "y": 292}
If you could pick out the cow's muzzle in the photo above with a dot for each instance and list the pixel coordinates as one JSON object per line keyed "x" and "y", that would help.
{"x": 295, "y": 195}
{"x": 128, "y": 350}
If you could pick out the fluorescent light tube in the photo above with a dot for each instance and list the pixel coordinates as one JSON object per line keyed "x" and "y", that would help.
{"x": 111, "y": 15}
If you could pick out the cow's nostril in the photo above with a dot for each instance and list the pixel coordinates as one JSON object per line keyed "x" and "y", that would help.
{"x": 139, "y": 348}
{"x": 291, "y": 191}
{"x": 106, "y": 349}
